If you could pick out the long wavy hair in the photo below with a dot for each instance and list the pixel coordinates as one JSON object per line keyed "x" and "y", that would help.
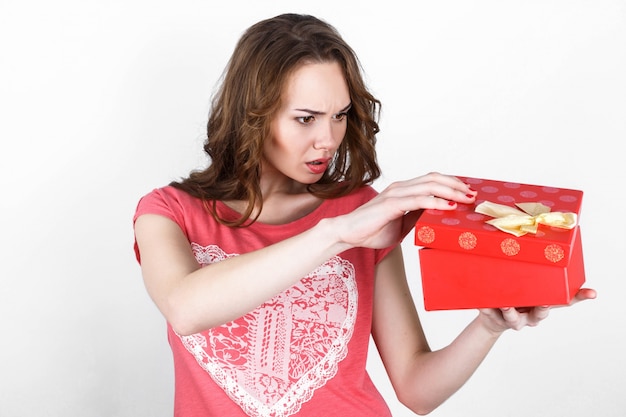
{"x": 249, "y": 96}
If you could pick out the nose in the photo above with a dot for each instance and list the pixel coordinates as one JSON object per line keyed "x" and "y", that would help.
{"x": 328, "y": 136}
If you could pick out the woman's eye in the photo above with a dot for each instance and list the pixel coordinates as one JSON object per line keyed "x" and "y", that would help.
{"x": 341, "y": 116}
{"x": 306, "y": 119}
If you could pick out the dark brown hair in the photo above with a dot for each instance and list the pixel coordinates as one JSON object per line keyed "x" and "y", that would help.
{"x": 250, "y": 95}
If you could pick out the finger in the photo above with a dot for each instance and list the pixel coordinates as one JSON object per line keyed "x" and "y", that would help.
{"x": 492, "y": 318}
{"x": 513, "y": 318}
{"x": 456, "y": 191}
{"x": 417, "y": 193}
{"x": 449, "y": 180}
{"x": 407, "y": 199}
{"x": 434, "y": 185}
{"x": 451, "y": 195}
{"x": 537, "y": 314}
{"x": 453, "y": 182}
{"x": 582, "y": 295}
{"x": 494, "y": 314}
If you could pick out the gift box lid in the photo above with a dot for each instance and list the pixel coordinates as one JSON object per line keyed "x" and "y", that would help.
{"x": 465, "y": 230}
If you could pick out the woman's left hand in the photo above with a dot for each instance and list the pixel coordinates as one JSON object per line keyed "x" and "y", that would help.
{"x": 500, "y": 319}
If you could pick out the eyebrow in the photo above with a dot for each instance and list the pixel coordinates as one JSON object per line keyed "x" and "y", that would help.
{"x": 316, "y": 113}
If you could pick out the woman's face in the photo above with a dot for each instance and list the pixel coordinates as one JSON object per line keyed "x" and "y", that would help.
{"x": 310, "y": 125}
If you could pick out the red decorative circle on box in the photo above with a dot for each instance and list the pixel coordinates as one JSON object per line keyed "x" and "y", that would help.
{"x": 426, "y": 234}
{"x": 506, "y": 199}
{"x": 476, "y": 217}
{"x": 528, "y": 194}
{"x": 548, "y": 203}
{"x": 510, "y": 247}
{"x": 473, "y": 181}
{"x": 554, "y": 253}
{"x": 467, "y": 240}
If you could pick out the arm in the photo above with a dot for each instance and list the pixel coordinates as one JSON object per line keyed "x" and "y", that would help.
{"x": 193, "y": 299}
{"x": 423, "y": 379}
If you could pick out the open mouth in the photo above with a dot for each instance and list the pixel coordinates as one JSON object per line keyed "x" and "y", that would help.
{"x": 318, "y": 166}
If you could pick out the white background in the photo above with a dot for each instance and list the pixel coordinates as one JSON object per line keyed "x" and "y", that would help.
{"x": 101, "y": 101}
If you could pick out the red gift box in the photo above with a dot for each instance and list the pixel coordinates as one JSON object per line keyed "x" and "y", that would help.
{"x": 467, "y": 263}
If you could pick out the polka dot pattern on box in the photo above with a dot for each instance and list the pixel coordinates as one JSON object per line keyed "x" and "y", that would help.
{"x": 554, "y": 253}
{"x": 510, "y": 247}
{"x": 426, "y": 235}
{"x": 467, "y": 240}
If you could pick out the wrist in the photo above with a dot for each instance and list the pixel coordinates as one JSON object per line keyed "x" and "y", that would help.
{"x": 329, "y": 231}
{"x": 490, "y": 327}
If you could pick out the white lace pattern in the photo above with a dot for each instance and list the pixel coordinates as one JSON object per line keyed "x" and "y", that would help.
{"x": 273, "y": 359}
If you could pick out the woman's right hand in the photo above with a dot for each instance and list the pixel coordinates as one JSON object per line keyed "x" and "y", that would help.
{"x": 388, "y": 217}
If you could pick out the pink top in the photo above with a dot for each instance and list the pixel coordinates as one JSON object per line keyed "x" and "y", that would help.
{"x": 301, "y": 353}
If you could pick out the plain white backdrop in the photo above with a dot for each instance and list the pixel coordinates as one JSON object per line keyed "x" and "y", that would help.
{"x": 102, "y": 101}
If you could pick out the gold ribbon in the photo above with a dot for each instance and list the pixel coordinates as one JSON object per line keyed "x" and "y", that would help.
{"x": 527, "y": 220}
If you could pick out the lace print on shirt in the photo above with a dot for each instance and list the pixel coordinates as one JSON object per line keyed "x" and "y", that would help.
{"x": 271, "y": 360}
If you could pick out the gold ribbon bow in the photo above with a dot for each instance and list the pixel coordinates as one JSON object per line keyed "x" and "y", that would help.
{"x": 527, "y": 220}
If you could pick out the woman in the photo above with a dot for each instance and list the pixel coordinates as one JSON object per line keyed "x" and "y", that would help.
{"x": 275, "y": 264}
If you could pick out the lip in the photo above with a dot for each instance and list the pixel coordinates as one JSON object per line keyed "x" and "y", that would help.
{"x": 318, "y": 166}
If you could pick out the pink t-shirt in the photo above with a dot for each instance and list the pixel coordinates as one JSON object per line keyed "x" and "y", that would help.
{"x": 301, "y": 353}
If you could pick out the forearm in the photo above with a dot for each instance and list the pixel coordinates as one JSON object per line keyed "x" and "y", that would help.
{"x": 439, "y": 374}
{"x": 223, "y": 291}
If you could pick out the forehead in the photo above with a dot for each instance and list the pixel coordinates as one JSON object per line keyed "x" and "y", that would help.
{"x": 317, "y": 83}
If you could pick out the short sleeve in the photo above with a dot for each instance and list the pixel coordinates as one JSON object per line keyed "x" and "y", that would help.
{"x": 159, "y": 201}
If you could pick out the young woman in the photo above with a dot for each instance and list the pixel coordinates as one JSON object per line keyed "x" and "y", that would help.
{"x": 275, "y": 264}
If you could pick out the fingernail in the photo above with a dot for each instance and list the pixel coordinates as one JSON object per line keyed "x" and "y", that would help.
{"x": 451, "y": 203}
{"x": 469, "y": 195}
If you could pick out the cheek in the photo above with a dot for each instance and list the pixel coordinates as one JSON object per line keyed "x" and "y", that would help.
{"x": 279, "y": 143}
{"x": 274, "y": 142}
{"x": 290, "y": 139}
{"x": 340, "y": 132}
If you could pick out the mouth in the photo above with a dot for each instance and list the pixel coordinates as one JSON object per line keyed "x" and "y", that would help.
{"x": 321, "y": 161}
{"x": 318, "y": 166}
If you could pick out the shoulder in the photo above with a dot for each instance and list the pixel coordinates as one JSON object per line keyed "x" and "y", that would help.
{"x": 168, "y": 193}
{"x": 168, "y": 201}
